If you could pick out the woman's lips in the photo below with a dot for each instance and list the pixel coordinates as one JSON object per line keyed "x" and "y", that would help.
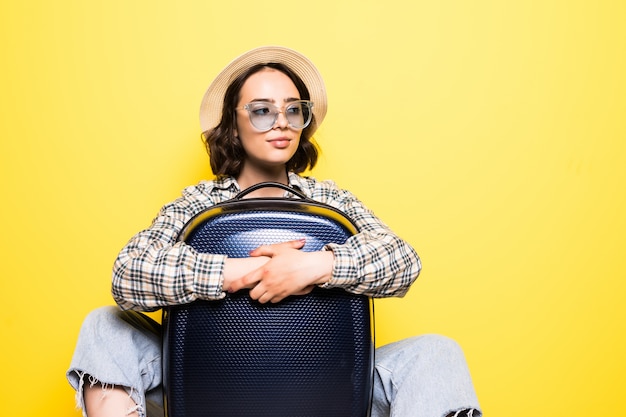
{"x": 280, "y": 142}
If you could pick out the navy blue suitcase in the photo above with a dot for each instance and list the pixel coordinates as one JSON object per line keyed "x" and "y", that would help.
{"x": 307, "y": 356}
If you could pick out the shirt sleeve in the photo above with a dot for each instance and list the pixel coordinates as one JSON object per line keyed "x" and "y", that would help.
{"x": 375, "y": 261}
{"x": 154, "y": 270}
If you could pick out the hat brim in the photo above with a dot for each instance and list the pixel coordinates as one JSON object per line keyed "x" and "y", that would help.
{"x": 213, "y": 100}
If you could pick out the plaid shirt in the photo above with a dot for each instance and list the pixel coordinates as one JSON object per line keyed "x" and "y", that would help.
{"x": 154, "y": 270}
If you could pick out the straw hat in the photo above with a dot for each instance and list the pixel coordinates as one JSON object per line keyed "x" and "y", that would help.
{"x": 211, "y": 107}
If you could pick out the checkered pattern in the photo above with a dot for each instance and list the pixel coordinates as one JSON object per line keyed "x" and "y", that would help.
{"x": 154, "y": 270}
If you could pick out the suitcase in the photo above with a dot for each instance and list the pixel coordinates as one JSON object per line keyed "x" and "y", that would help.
{"x": 307, "y": 356}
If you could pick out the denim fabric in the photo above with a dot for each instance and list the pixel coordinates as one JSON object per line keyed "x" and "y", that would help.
{"x": 424, "y": 376}
{"x": 119, "y": 348}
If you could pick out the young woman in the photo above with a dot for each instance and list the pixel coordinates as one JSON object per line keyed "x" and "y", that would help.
{"x": 258, "y": 118}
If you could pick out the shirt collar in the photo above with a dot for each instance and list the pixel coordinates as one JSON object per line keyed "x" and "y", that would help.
{"x": 299, "y": 183}
{"x": 226, "y": 183}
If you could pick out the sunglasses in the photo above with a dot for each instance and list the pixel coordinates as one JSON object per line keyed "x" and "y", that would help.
{"x": 263, "y": 114}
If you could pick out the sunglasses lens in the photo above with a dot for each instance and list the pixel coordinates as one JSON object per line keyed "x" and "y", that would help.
{"x": 297, "y": 114}
{"x": 262, "y": 115}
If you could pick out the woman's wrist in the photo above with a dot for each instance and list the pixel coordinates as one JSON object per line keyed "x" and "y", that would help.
{"x": 324, "y": 261}
{"x": 235, "y": 268}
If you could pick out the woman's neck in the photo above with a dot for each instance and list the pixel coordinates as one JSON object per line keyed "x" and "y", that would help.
{"x": 249, "y": 177}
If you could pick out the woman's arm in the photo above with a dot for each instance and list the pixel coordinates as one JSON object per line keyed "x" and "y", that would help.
{"x": 375, "y": 262}
{"x": 154, "y": 270}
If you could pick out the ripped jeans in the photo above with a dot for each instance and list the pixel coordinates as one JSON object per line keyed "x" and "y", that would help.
{"x": 424, "y": 376}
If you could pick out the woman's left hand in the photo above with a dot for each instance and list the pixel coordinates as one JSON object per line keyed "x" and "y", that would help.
{"x": 289, "y": 271}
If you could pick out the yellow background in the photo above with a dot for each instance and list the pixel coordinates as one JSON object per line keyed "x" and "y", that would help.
{"x": 489, "y": 134}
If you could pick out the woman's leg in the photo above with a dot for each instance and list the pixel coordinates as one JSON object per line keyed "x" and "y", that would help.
{"x": 424, "y": 376}
{"x": 117, "y": 364}
{"x": 101, "y": 402}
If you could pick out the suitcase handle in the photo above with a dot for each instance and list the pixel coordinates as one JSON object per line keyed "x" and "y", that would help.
{"x": 270, "y": 184}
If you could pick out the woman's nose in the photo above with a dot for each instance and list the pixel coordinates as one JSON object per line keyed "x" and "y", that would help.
{"x": 281, "y": 120}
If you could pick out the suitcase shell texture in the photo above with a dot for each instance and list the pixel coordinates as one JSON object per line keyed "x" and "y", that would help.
{"x": 307, "y": 356}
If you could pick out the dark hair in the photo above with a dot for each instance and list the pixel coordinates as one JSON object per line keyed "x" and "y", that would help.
{"x": 226, "y": 153}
